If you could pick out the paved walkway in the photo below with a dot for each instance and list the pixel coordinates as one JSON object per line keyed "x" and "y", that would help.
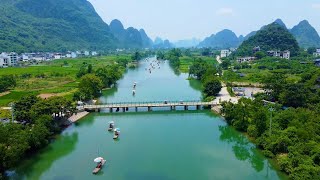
{"x": 218, "y": 59}
{"x": 225, "y": 96}
{"x": 78, "y": 116}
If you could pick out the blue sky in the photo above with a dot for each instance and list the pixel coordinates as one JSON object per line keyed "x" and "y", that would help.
{"x": 184, "y": 19}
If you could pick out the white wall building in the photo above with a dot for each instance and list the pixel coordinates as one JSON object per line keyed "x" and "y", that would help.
{"x": 13, "y": 59}
{"x": 94, "y": 53}
{"x": 4, "y": 60}
{"x": 25, "y": 57}
{"x": 279, "y": 54}
{"x": 86, "y": 53}
{"x": 73, "y": 55}
{"x": 225, "y": 53}
{"x": 245, "y": 59}
{"x": 57, "y": 56}
{"x": 317, "y": 53}
{"x": 286, "y": 55}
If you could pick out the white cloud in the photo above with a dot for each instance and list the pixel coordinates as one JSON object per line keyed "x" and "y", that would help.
{"x": 316, "y": 6}
{"x": 225, "y": 11}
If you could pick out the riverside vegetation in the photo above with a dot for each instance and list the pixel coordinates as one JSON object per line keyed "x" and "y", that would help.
{"x": 61, "y": 77}
{"x": 292, "y": 88}
{"x": 39, "y": 120}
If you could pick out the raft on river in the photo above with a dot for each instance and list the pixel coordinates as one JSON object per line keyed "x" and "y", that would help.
{"x": 100, "y": 162}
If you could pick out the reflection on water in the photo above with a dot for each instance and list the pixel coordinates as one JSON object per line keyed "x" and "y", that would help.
{"x": 242, "y": 148}
{"x": 245, "y": 151}
{"x": 41, "y": 162}
{"x": 161, "y": 144}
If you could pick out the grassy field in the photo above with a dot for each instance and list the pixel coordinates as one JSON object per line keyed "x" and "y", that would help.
{"x": 56, "y": 77}
{"x": 186, "y": 61}
{"x": 258, "y": 71}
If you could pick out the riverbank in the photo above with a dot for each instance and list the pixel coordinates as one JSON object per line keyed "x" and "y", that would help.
{"x": 77, "y": 116}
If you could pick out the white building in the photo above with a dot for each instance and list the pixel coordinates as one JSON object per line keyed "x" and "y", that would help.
{"x": 68, "y": 55}
{"x": 317, "y": 53}
{"x": 86, "y": 53}
{"x": 57, "y": 56}
{"x": 94, "y": 53}
{"x": 286, "y": 55}
{"x": 245, "y": 59}
{"x": 4, "y": 60}
{"x": 73, "y": 55}
{"x": 225, "y": 53}
{"x": 25, "y": 57}
{"x": 279, "y": 54}
{"x": 13, "y": 59}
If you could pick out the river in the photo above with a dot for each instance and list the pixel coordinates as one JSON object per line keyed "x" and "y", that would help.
{"x": 157, "y": 145}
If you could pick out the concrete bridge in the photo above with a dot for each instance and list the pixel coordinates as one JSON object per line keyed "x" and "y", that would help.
{"x": 124, "y": 106}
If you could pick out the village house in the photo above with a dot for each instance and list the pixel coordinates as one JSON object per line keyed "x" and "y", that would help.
{"x": 256, "y": 49}
{"x": 317, "y": 62}
{"x": 25, "y": 57}
{"x": 94, "y": 53}
{"x": 225, "y": 53}
{"x": 57, "y": 56}
{"x": 73, "y": 55}
{"x": 317, "y": 53}
{"x": 4, "y": 60}
{"x": 279, "y": 54}
{"x": 13, "y": 59}
{"x": 245, "y": 59}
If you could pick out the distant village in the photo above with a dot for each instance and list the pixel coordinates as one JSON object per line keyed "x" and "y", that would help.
{"x": 273, "y": 53}
{"x": 14, "y": 59}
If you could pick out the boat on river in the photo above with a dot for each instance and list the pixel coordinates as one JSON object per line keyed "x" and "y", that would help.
{"x": 111, "y": 125}
{"x": 116, "y": 133}
{"x": 99, "y": 166}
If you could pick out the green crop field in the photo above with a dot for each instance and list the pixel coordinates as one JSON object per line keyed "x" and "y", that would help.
{"x": 186, "y": 61}
{"x": 56, "y": 77}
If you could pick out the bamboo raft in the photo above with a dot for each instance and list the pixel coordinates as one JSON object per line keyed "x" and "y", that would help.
{"x": 97, "y": 169}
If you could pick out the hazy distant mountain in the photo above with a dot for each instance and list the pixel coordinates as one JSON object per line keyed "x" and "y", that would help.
{"x": 281, "y": 23}
{"x": 271, "y": 37}
{"x": 162, "y": 44}
{"x": 52, "y": 25}
{"x": 157, "y": 41}
{"x": 187, "y": 43}
{"x": 131, "y": 37}
{"x": 223, "y": 39}
{"x": 306, "y": 35}
{"x": 146, "y": 41}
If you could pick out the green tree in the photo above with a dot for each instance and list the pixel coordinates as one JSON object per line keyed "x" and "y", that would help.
{"x": 198, "y": 68}
{"x": 260, "y": 55}
{"x": 22, "y": 107}
{"x": 225, "y": 64}
{"x": 136, "y": 56}
{"x": 293, "y": 95}
{"x": 109, "y": 74}
{"x": 90, "y": 69}
{"x": 212, "y": 87}
{"x": 260, "y": 121}
{"x": 6, "y": 82}
{"x": 90, "y": 85}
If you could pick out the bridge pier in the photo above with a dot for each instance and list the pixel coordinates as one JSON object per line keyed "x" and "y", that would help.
{"x": 149, "y": 108}
{"x": 124, "y": 109}
{"x": 97, "y": 110}
{"x": 111, "y": 110}
{"x": 136, "y": 109}
{"x": 185, "y": 108}
{"x": 198, "y": 107}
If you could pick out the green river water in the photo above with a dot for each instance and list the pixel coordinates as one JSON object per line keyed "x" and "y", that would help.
{"x": 157, "y": 145}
